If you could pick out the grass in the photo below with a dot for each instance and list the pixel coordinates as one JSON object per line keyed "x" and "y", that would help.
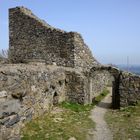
{"x": 72, "y": 121}
{"x": 76, "y": 107}
{"x": 125, "y": 123}
{"x": 59, "y": 126}
{"x": 100, "y": 97}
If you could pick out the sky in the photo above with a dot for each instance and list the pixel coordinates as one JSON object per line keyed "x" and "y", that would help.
{"x": 111, "y": 28}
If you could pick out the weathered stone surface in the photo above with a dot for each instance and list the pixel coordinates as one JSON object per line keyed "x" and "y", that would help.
{"x": 129, "y": 89}
{"x": 19, "y": 95}
{"x": 36, "y": 40}
{"x": 3, "y": 94}
{"x": 9, "y": 107}
{"x": 33, "y": 89}
{"x": 13, "y": 120}
{"x": 99, "y": 80}
{"x": 29, "y": 91}
{"x": 126, "y": 86}
{"x": 10, "y": 120}
{"x": 76, "y": 91}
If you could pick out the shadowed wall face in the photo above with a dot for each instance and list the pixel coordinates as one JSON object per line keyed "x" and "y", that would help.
{"x": 129, "y": 89}
{"x": 126, "y": 86}
{"x": 31, "y": 38}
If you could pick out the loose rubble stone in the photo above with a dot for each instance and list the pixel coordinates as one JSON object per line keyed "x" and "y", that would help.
{"x": 3, "y": 94}
{"x": 12, "y": 120}
{"x": 72, "y": 138}
{"x": 9, "y": 107}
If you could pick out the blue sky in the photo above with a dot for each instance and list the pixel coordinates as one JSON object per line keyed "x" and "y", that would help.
{"x": 111, "y": 28}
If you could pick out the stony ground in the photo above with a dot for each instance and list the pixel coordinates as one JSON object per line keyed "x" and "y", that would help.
{"x": 124, "y": 123}
{"x": 102, "y": 131}
{"x": 66, "y": 122}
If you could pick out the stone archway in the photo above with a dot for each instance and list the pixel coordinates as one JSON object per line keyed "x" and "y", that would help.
{"x": 115, "y": 73}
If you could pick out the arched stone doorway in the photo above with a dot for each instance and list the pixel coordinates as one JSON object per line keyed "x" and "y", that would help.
{"x": 105, "y": 76}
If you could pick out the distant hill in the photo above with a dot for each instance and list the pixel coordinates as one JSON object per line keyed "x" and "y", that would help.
{"x": 133, "y": 68}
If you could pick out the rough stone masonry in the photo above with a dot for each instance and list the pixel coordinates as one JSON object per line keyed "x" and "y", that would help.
{"x": 32, "y": 38}
{"x": 47, "y": 66}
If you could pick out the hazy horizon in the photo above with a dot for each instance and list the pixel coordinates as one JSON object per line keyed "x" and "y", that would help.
{"x": 110, "y": 28}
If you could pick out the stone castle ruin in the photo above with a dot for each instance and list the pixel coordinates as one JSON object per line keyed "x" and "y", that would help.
{"x": 32, "y": 38}
{"x": 48, "y": 66}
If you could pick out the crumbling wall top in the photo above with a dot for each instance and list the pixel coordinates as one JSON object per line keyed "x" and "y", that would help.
{"x": 29, "y": 13}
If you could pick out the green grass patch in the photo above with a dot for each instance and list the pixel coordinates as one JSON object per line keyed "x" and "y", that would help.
{"x": 73, "y": 121}
{"x": 125, "y": 123}
{"x": 79, "y": 108}
{"x": 59, "y": 126}
{"x": 76, "y": 107}
{"x": 100, "y": 97}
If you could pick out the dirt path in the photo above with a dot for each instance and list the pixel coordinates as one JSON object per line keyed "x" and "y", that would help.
{"x": 101, "y": 131}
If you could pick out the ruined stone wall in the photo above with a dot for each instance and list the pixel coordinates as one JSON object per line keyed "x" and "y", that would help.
{"x": 83, "y": 55}
{"x": 29, "y": 90}
{"x": 129, "y": 89}
{"x": 125, "y": 85}
{"x": 99, "y": 80}
{"x": 77, "y": 88}
{"x": 33, "y": 39}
